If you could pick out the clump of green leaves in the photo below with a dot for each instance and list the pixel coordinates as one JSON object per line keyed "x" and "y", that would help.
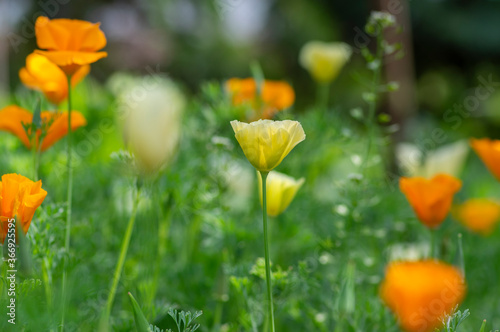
{"x": 454, "y": 321}
{"x": 37, "y": 125}
{"x": 377, "y": 23}
{"x": 124, "y": 161}
{"x": 184, "y": 320}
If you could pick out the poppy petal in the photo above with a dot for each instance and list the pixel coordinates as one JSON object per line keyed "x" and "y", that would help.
{"x": 59, "y": 127}
{"x": 12, "y": 118}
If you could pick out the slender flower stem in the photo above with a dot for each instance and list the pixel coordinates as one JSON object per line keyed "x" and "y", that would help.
{"x": 461, "y": 260}
{"x": 370, "y": 120}
{"x": 266, "y": 249}
{"x": 36, "y": 159}
{"x": 164, "y": 222}
{"x": 433, "y": 244}
{"x": 36, "y": 148}
{"x": 221, "y": 291}
{"x": 121, "y": 259}
{"x": 37, "y": 162}
{"x": 68, "y": 208}
{"x": 322, "y": 96}
{"x": 47, "y": 282}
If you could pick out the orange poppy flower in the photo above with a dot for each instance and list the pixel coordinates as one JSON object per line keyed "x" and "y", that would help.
{"x": 43, "y": 75}
{"x": 422, "y": 293}
{"x": 478, "y": 215}
{"x": 431, "y": 199}
{"x": 12, "y": 119}
{"x": 275, "y": 95}
{"x": 19, "y": 197}
{"x": 489, "y": 152}
{"x": 70, "y": 44}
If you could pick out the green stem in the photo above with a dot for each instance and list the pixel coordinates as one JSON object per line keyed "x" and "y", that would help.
{"x": 266, "y": 250}
{"x": 322, "y": 95}
{"x": 433, "y": 244}
{"x": 265, "y": 328}
{"x": 68, "y": 208}
{"x": 461, "y": 259}
{"x": 121, "y": 259}
{"x": 35, "y": 161}
{"x": 3, "y": 291}
{"x": 370, "y": 121}
{"x": 164, "y": 222}
{"x": 218, "y": 314}
{"x": 36, "y": 147}
{"x": 221, "y": 292}
{"x": 47, "y": 282}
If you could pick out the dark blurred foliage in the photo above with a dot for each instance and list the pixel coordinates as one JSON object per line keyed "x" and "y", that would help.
{"x": 195, "y": 41}
{"x": 189, "y": 39}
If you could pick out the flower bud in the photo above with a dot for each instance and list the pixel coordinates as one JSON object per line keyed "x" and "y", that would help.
{"x": 281, "y": 190}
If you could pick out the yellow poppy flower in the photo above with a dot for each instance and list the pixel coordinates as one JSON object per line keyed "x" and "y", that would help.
{"x": 69, "y": 44}
{"x": 478, "y": 215}
{"x": 43, "y": 75}
{"x": 281, "y": 190}
{"x": 12, "y": 119}
{"x": 431, "y": 199}
{"x": 489, "y": 152}
{"x": 275, "y": 96}
{"x": 266, "y": 143}
{"x": 19, "y": 197}
{"x": 422, "y": 293}
{"x": 324, "y": 60}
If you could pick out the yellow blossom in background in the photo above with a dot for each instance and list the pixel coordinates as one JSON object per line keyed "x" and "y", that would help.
{"x": 266, "y": 143}
{"x": 422, "y": 293}
{"x": 43, "y": 75}
{"x": 13, "y": 117}
{"x": 152, "y": 123}
{"x": 19, "y": 197}
{"x": 324, "y": 60}
{"x": 489, "y": 152}
{"x": 430, "y": 198}
{"x": 281, "y": 190}
{"x": 478, "y": 215}
{"x": 275, "y": 96}
{"x": 69, "y": 44}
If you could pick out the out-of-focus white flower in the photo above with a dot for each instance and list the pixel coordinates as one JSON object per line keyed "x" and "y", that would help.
{"x": 152, "y": 112}
{"x": 408, "y": 252}
{"x": 120, "y": 83}
{"x": 408, "y": 158}
{"x": 448, "y": 159}
{"x": 324, "y": 60}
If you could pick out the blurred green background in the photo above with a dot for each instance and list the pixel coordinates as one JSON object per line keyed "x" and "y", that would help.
{"x": 449, "y": 43}
{"x": 338, "y": 219}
